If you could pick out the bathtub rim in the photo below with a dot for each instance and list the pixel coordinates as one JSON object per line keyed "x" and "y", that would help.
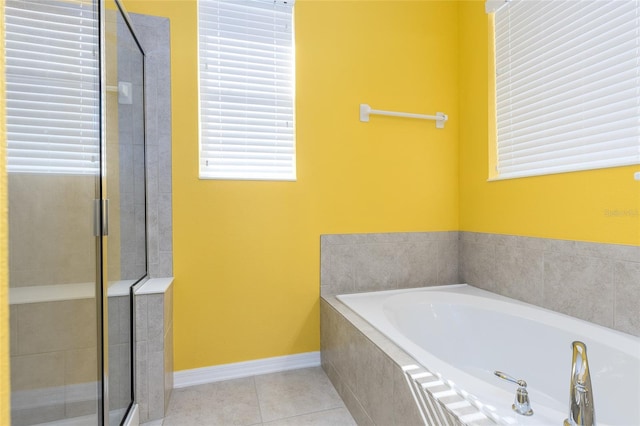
{"x": 470, "y": 291}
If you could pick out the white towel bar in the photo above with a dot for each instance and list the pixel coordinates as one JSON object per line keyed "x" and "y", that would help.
{"x": 365, "y": 111}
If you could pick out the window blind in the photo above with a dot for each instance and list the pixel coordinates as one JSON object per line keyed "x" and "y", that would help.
{"x": 246, "y": 90}
{"x": 567, "y": 86}
{"x": 52, "y": 75}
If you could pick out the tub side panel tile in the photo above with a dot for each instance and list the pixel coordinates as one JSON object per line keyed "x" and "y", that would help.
{"x": 376, "y": 384}
{"x": 346, "y": 393}
{"x": 405, "y": 408}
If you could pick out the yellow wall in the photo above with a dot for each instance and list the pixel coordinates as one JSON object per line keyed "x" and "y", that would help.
{"x": 4, "y": 266}
{"x": 599, "y": 206}
{"x": 246, "y": 254}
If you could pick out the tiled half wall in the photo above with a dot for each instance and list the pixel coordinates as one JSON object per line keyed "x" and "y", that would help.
{"x": 596, "y": 282}
{"x": 353, "y": 263}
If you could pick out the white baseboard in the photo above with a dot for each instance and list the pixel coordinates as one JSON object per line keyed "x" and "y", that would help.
{"x": 218, "y": 373}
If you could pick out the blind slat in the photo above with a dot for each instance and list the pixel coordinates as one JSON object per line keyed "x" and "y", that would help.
{"x": 246, "y": 90}
{"x": 567, "y": 81}
{"x": 52, "y": 74}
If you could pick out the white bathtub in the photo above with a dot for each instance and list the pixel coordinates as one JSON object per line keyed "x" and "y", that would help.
{"x": 464, "y": 334}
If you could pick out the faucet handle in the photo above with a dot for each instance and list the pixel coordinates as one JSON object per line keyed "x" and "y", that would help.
{"x": 521, "y": 404}
{"x": 508, "y": 378}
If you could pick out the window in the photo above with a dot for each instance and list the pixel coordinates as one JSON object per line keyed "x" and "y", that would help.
{"x": 52, "y": 75}
{"x": 567, "y": 80}
{"x": 246, "y": 75}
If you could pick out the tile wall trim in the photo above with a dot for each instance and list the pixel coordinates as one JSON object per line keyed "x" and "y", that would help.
{"x": 218, "y": 373}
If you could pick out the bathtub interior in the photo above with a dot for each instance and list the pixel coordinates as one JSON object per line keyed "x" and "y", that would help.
{"x": 464, "y": 334}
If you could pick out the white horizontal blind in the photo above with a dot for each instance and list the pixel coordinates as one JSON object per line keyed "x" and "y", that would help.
{"x": 568, "y": 85}
{"x": 52, "y": 75}
{"x": 246, "y": 90}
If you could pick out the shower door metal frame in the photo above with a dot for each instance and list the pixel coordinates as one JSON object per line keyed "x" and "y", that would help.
{"x": 102, "y": 238}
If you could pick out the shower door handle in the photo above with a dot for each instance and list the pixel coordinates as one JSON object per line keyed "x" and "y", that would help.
{"x": 101, "y": 218}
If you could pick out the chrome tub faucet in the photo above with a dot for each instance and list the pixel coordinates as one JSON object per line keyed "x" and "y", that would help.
{"x": 581, "y": 410}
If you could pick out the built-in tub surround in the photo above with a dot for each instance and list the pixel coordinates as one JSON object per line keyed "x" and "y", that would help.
{"x": 463, "y": 334}
{"x": 364, "y": 366}
{"x": 533, "y": 270}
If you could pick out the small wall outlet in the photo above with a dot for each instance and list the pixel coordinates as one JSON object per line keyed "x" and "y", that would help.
{"x": 636, "y": 175}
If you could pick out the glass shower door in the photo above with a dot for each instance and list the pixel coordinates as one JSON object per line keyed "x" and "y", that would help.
{"x": 53, "y": 132}
{"x": 125, "y": 188}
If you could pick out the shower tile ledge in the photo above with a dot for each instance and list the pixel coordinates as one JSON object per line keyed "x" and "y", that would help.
{"x": 155, "y": 286}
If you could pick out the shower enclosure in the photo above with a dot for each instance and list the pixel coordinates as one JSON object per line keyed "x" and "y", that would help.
{"x": 77, "y": 208}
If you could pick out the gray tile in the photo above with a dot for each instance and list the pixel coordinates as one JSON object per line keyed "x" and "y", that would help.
{"x": 377, "y": 266}
{"x": 155, "y": 322}
{"x": 333, "y": 417}
{"x": 232, "y": 402}
{"x": 81, "y": 400}
{"x": 519, "y": 273}
{"x": 53, "y": 326}
{"x": 168, "y": 308}
{"x": 293, "y": 393}
{"x": 405, "y": 409}
{"x": 448, "y": 261}
{"x": 142, "y": 380}
{"x": 141, "y": 311}
{"x": 13, "y": 330}
{"x": 156, "y": 385}
{"x": 478, "y": 264}
{"x": 418, "y": 264}
{"x": 168, "y": 366}
{"x": 375, "y": 384}
{"x": 81, "y": 366}
{"x": 153, "y": 423}
{"x": 40, "y": 371}
{"x": 164, "y": 222}
{"x": 627, "y": 297}
{"x": 566, "y": 276}
{"x": 341, "y": 275}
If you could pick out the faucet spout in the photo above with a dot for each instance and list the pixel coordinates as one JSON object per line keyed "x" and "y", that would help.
{"x": 581, "y": 409}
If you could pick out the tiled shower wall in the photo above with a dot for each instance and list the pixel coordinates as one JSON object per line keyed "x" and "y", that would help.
{"x": 154, "y": 35}
{"x": 154, "y": 312}
{"x": 595, "y": 282}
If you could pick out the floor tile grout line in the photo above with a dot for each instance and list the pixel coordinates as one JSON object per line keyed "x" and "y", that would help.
{"x": 255, "y": 388}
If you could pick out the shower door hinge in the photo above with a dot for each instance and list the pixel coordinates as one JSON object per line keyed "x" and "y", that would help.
{"x": 100, "y": 218}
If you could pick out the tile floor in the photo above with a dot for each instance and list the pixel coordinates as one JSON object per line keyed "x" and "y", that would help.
{"x": 302, "y": 397}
